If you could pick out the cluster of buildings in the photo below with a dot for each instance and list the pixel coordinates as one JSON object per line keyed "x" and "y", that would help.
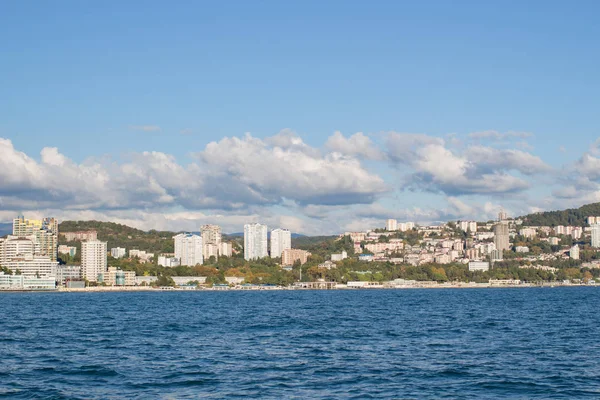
{"x": 192, "y": 249}
{"x": 256, "y": 245}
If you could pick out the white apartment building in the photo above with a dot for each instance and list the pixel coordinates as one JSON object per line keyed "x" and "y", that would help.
{"x": 391, "y": 225}
{"x": 32, "y": 265}
{"x": 574, "y": 252}
{"x": 211, "y": 240}
{"x": 281, "y": 239}
{"x": 528, "y": 232}
{"x": 118, "y": 252}
{"x": 339, "y": 256}
{"x": 93, "y": 259}
{"x": 596, "y": 235}
{"x": 188, "y": 249}
{"x": 225, "y": 249}
{"x": 255, "y": 241}
{"x": 66, "y": 273}
{"x": 14, "y": 246}
{"x": 168, "y": 261}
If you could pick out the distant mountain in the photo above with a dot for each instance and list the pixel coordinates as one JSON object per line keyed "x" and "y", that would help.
{"x": 571, "y": 216}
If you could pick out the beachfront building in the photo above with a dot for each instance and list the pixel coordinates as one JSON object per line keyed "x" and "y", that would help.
{"x": 93, "y": 259}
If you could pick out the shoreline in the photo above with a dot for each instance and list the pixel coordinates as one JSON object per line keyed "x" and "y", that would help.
{"x": 113, "y": 289}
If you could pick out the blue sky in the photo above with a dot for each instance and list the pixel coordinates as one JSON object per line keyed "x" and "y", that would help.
{"x": 111, "y": 80}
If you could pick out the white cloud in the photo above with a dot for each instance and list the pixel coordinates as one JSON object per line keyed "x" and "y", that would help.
{"x": 356, "y": 145}
{"x": 145, "y": 128}
{"x": 495, "y": 135}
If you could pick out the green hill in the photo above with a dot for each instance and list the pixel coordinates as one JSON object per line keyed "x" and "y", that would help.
{"x": 572, "y": 216}
{"x": 118, "y": 235}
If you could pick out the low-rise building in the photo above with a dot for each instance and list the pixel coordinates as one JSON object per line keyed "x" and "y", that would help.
{"x": 22, "y": 282}
{"x": 68, "y": 250}
{"x": 117, "y": 277}
{"x": 290, "y": 256}
{"x": 118, "y": 252}
{"x": 80, "y": 236}
{"x": 339, "y": 256}
{"x": 479, "y": 266}
{"x": 168, "y": 261}
{"x": 65, "y": 273}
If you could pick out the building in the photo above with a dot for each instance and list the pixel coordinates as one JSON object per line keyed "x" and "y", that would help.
{"x": 188, "y": 249}
{"x": 93, "y": 259}
{"x": 496, "y": 255}
{"x": 479, "y": 266}
{"x": 502, "y": 216}
{"x": 45, "y": 232}
{"x": 576, "y": 233}
{"x": 15, "y": 246}
{"x": 141, "y": 254}
{"x": 528, "y": 232}
{"x": 290, "y": 256}
{"x": 501, "y": 236}
{"x": 391, "y": 225}
{"x": 596, "y": 235}
{"x": 68, "y": 250}
{"x": 118, "y": 252}
{"x": 225, "y": 249}
{"x": 522, "y": 249}
{"x": 168, "y": 261}
{"x": 65, "y": 273}
{"x": 281, "y": 239}
{"x": 116, "y": 277}
{"x": 574, "y": 252}
{"x": 255, "y": 241}
{"x": 211, "y": 240}
{"x": 22, "y": 282}
{"x": 32, "y": 265}
{"x": 80, "y": 236}
{"x": 339, "y": 256}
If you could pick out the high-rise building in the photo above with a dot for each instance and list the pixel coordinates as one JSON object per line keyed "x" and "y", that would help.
{"x": 574, "y": 252}
{"x": 391, "y": 225}
{"x": 255, "y": 241}
{"x": 211, "y": 240}
{"x": 118, "y": 252}
{"x": 45, "y": 232}
{"x": 188, "y": 249}
{"x": 596, "y": 235}
{"x": 225, "y": 249}
{"x": 501, "y": 236}
{"x": 281, "y": 239}
{"x": 502, "y": 215}
{"x": 93, "y": 259}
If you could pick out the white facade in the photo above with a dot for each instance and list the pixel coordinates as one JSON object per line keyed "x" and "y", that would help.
{"x": 225, "y": 249}
{"x": 281, "y": 239}
{"x": 169, "y": 262}
{"x": 118, "y": 252}
{"x": 67, "y": 272}
{"x": 596, "y": 235}
{"x": 32, "y": 265}
{"x": 574, "y": 252}
{"x": 22, "y": 282}
{"x": 255, "y": 241}
{"x": 93, "y": 259}
{"x": 188, "y": 249}
{"x": 339, "y": 256}
{"x": 211, "y": 240}
{"x": 479, "y": 266}
{"x": 391, "y": 225}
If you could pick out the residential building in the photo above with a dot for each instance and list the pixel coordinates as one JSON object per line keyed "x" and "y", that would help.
{"x": 472, "y": 254}
{"x": 116, "y": 277}
{"x": 32, "y": 265}
{"x": 281, "y": 239}
{"x": 141, "y": 254}
{"x": 576, "y": 233}
{"x": 596, "y": 235}
{"x": 211, "y": 240}
{"x": 188, "y": 249}
{"x": 68, "y": 250}
{"x": 45, "y": 232}
{"x": 93, "y": 259}
{"x": 528, "y": 232}
{"x": 80, "y": 236}
{"x": 290, "y": 256}
{"x": 574, "y": 252}
{"x": 255, "y": 241}
{"x": 496, "y": 255}
{"x": 65, "y": 273}
{"x": 22, "y": 282}
{"x": 339, "y": 256}
{"x": 501, "y": 236}
{"x": 168, "y": 261}
{"x": 391, "y": 225}
{"x": 15, "y": 246}
{"x": 225, "y": 249}
{"x": 502, "y": 216}
{"x": 479, "y": 266}
{"x": 522, "y": 249}
{"x": 118, "y": 252}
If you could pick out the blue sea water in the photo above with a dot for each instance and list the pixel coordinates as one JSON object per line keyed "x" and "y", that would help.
{"x": 438, "y": 343}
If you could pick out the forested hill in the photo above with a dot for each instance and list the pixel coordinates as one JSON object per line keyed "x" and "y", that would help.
{"x": 118, "y": 235}
{"x": 572, "y": 216}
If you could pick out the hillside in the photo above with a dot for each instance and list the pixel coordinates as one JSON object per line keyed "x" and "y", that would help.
{"x": 118, "y": 235}
{"x": 572, "y": 216}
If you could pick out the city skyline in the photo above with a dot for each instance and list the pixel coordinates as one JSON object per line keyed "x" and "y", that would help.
{"x": 325, "y": 130}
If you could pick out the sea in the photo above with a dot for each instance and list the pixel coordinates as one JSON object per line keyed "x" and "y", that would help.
{"x": 348, "y": 344}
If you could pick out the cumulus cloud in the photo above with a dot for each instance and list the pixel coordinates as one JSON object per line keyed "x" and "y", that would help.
{"x": 356, "y": 145}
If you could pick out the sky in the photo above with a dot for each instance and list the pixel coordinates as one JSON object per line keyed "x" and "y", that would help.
{"x": 316, "y": 116}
